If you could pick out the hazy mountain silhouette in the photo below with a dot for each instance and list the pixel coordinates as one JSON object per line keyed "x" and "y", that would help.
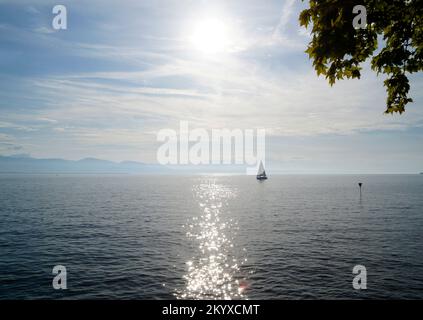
{"x": 26, "y": 164}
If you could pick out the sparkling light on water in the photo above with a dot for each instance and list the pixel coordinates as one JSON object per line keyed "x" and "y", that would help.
{"x": 214, "y": 270}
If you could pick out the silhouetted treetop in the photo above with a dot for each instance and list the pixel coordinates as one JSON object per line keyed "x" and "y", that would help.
{"x": 337, "y": 48}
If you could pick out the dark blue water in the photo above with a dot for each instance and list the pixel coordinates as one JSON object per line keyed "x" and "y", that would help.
{"x": 146, "y": 237}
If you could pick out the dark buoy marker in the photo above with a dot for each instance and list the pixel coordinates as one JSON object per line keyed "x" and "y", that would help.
{"x": 360, "y": 184}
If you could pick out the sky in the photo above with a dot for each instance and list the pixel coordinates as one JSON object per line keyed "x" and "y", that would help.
{"x": 123, "y": 70}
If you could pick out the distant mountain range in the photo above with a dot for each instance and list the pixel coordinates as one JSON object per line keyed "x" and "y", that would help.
{"x": 26, "y": 164}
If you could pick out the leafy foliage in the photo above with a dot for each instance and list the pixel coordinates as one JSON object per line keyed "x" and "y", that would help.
{"x": 337, "y": 49}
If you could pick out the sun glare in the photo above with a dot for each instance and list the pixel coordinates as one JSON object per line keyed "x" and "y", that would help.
{"x": 210, "y": 36}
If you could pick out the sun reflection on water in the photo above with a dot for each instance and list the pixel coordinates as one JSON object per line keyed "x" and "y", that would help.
{"x": 213, "y": 272}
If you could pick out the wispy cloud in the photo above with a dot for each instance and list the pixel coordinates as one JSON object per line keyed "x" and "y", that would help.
{"x": 43, "y": 30}
{"x": 287, "y": 10}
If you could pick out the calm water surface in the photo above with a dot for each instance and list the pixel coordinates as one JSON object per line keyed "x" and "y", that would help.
{"x": 211, "y": 237}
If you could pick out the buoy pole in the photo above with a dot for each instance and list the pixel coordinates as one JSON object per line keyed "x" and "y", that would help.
{"x": 360, "y": 184}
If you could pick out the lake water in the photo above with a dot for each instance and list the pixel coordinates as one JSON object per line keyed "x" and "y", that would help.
{"x": 198, "y": 237}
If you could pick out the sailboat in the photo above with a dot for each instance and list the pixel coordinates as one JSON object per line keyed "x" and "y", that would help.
{"x": 261, "y": 174}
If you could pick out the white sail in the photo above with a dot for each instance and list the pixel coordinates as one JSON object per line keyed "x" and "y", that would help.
{"x": 261, "y": 169}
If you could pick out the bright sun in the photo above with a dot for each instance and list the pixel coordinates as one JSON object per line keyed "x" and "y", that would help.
{"x": 210, "y": 36}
